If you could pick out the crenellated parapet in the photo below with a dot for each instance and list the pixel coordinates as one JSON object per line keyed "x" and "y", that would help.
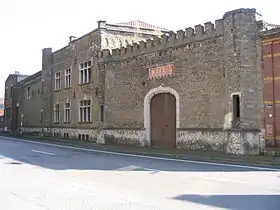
{"x": 169, "y": 39}
{"x": 225, "y": 27}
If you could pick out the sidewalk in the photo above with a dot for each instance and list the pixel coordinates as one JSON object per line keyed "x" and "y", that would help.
{"x": 168, "y": 153}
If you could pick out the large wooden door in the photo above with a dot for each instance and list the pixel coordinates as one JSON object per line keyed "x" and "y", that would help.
{"x": 163, "y": 120}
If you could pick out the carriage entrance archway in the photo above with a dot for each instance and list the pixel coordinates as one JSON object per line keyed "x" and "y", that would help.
{"x": 161, "y": 116}
{"x": 163, "y": 120}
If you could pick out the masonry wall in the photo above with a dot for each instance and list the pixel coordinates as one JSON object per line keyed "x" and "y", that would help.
{"x": 127, "y": 82}
{"x": 271, "y": 67}
{"x": 211, "y": 63}
{"x": 30, "y": 107}
{"x": 80, "y": 50}
{"x": 11, "y": 102}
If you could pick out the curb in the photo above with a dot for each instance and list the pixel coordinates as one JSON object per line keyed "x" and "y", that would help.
{"x": 85, "y": 145}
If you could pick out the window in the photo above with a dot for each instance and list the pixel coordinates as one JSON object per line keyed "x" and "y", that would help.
{"x": 85, "y": 72}
{"x": 42, "y": 87}
{"x": 67, "y": 112}
{"x": 236, "y": 106}
{"x": 101, "y": 113}
{"x": 41, "y": 116}
{"x": 6, "y": 93}
{"x": 28, "y": 93}
{"x": 56, "y": 113}
{"x": 85, "y": 111}
{"x": 57, "y": 81}
{"x": 68, "y": 78}
{"x": 12, "y": 91}
{"x": 7, "y": 112}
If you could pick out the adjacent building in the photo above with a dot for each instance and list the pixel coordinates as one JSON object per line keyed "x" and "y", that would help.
{"x": 271, "y": 84}
{"x": 2, "y": 107}
{"x": 134, "y": 83}
{"x": 11, "y": 102}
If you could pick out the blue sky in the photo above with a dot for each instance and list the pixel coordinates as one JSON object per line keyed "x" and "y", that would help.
{"x": 27, "y": 26}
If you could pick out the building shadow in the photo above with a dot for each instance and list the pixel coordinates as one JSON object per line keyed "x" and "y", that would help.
{"x": 235, "y": 202}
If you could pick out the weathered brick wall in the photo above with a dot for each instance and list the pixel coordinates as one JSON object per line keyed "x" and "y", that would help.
{"x": 271, "y": 67}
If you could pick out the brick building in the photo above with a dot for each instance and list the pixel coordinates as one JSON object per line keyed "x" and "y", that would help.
{"x": 135, "y": 83}
{"x": 271, "y": 74}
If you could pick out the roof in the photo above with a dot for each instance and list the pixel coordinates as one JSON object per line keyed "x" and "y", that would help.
{"x": 10, "y": 76}
{"x": 141, "y": 24}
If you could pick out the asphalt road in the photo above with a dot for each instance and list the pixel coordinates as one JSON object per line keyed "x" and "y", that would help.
{"x": 37, "y": 176}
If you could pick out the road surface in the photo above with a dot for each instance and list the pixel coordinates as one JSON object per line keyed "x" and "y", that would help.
{"x": 38, "y": 176}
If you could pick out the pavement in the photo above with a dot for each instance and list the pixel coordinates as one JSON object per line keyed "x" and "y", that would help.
{"x": 37, "y": 176}
{"x": 210, "y": 156}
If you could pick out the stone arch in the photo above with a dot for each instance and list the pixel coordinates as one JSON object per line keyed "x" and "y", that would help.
{"x": 147, "y": 108}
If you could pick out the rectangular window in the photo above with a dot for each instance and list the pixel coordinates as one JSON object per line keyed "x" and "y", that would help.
{"x": 28, "y": 92}
{"x": 236, "y": 106}
{"x": 85, "y": 111}
{"x": 85, "y": 72}
{"x": 42, "y": 87}
{"x": 57, "y": 81}
{"x": 67, "y": 112}
{"x": 68, "y": 78}
{"x": 101, "y": 113}
{"x": 56, "y": 113}
{"x": 12, "y": 92}
{"x": 7, "y": 113}
{"x": 41, "y": 116}
{"x": 6, "y": 93}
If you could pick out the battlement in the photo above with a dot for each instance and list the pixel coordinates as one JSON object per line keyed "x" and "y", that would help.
{"x": 199, "y": 32}
{"x": 171, "y": 39}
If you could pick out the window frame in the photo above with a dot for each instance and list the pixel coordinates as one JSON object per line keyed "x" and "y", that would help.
{"x": 56, "y": 113}
{"x": 67, "y": 109}
{"x": 28, "y": 92}
{"x": 85, "y": 72}
{"x": 85, "y": 110}
{"x": 68, "y": 78}
{"x": 57, "y": 81}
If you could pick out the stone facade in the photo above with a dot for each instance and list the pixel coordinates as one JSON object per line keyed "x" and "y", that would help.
{"x": 214, "y": 73}
{"x": 30, "y": 97}
{"x": 40, "y": 118}
{"x": 211, "y": 64}
{"x": 11, "y": 102}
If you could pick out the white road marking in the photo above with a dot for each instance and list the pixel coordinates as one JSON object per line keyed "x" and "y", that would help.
{"x": 42, "y": 152}
{"x": 149, "y": 157}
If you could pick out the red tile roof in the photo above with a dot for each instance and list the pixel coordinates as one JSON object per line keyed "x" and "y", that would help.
{"x": 141, "y": 24}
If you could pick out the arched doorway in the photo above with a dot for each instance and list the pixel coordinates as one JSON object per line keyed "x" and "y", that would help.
{"x": 163, "y": 120}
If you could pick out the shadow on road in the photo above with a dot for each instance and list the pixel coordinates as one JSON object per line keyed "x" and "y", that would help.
{"x": 234, "y": 202}
{"x": 65, "y": 158}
